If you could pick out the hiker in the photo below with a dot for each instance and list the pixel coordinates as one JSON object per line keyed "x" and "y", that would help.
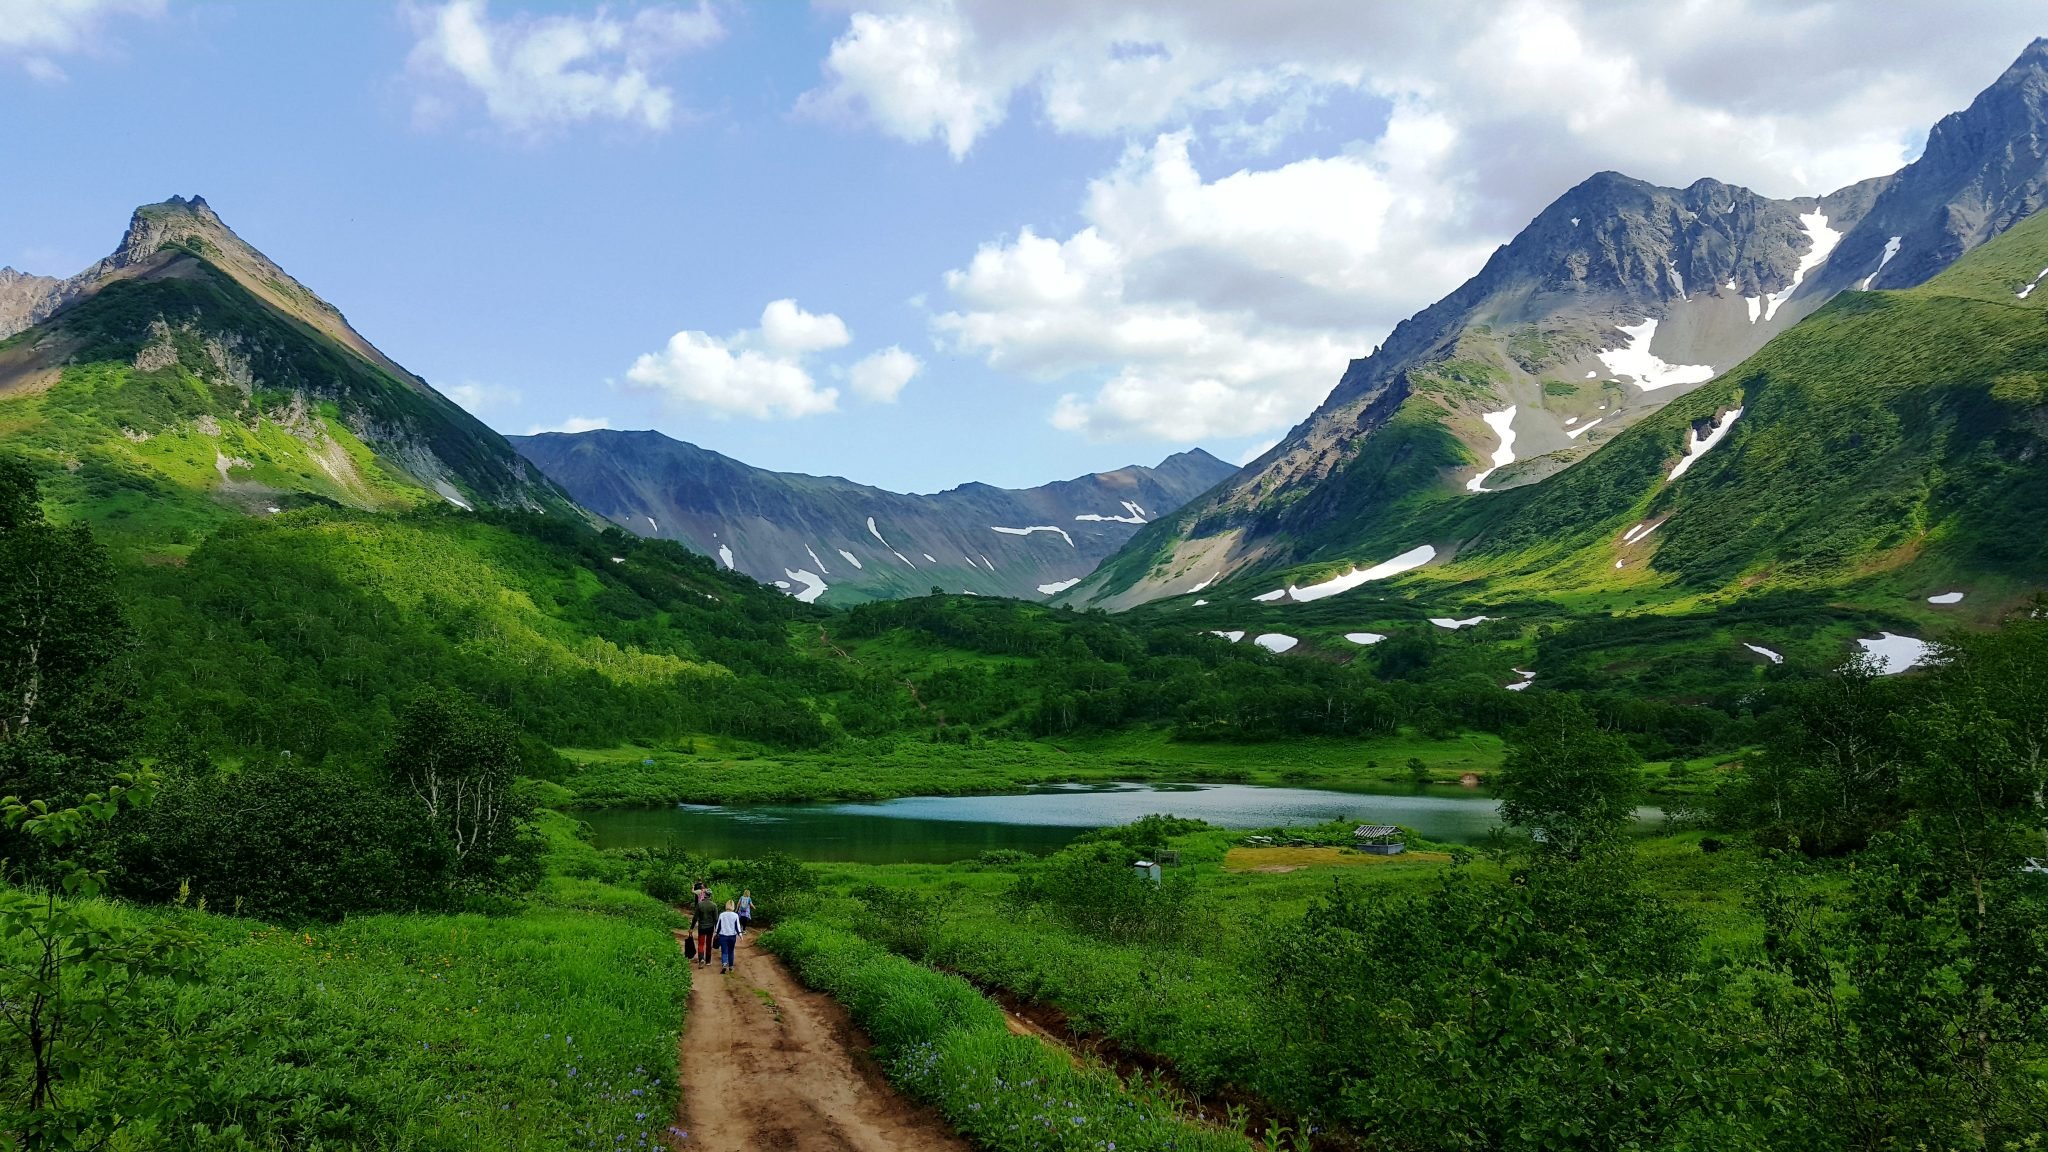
{"x": 746, "y": 909}
{"x": 728, "y": 936}
{"x": 704, "y": 921}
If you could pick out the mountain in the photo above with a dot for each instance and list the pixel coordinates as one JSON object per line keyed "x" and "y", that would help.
{"x": 1615, "y": 300}
{"x": 187, "y": 358}
{"x": 808, "y": 534}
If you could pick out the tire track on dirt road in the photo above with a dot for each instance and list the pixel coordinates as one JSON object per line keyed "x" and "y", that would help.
{"x": 767, "y": 1064}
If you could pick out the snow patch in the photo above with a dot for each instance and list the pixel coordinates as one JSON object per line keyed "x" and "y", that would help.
{"x": 876, "y": 532}
{"x": 928, "y": 558}
{"x": 1617, "y": 563}
{"x": 1502, "y": 423}
{"x": 1895, "y": 653}
{"x": 1699, "y": 445}
{"x": 1756, "y": 307}
{"x": 1570, "y": 420}
{"x": 902, "y": 557}
{"x": 1097, "y": 516}
{"x": 1454, "y": 625}
{"x": 1413, "y": 558}
{"x": 1824, "y": 240}
{"x": 1199, "y": 603}
{"x": 851, "y": 558}
{"x": 987, "y": 565}
{"x": 652, "y": 526}
{"x": 1202, "y": 585}
{"x": 782, "y": 584}
{"x": 725, "y": 554}
{"x": 1275, "y": 642}
{"x": 1946, "y": 598}
{"x": 1730, "y": 285}
{"x": 1592, "y": 375}
{"x": 1058, "y": 586}
{"x": 1581, "y": 430}
{"x": 1764, "y": 652}
{"x": 1233, "y": 637}
{"x": 813, "y": 584}
{"x": 1527, "y": 678}
{"x": 1034, "y": 528}
{"x": 1648, "y": 371}
{"x": 1639, "y": 531}
{"x": 618, "y": 559}
{"x": 1891, "y": 249}
{"x": 2029, "y": 289}
{"x": 1275, "y": 594}
{"x": 1677, "y": 281}
{"x": 1365, "y": 638}
{"x": 818, "y": 562}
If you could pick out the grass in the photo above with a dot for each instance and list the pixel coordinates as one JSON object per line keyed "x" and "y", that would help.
{"x": 551, "y": 1026}
{"x": 944, "y": 1043}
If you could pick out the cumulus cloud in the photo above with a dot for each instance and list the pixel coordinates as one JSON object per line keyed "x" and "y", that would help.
{"x": 880, "y": 376}
{"x": 477, "y": 399}
{"x": 1191, "y": 303}
{"x": 572, "y": 424}
{"x": 35, "y": 32}
{"x": 1216, "y": 307}
{"x": 758, "y": 373}
{"x": 536, "y": 73}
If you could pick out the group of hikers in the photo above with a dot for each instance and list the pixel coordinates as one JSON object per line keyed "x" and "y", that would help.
{"x": 708, "y": 922}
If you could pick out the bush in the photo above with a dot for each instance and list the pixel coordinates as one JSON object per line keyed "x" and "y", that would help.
{"x": 284, "y": 842}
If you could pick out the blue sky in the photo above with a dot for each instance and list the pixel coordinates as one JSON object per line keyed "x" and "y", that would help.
{"x": 1091, "y": 236}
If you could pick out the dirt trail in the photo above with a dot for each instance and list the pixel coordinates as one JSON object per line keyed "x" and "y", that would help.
{"x": 769, "y": 1064}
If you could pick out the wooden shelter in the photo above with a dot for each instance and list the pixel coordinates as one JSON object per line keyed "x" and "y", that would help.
{"x": 1379, "y": 839}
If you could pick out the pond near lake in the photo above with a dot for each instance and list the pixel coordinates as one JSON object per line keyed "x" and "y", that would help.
{"x": 942, "y": 829}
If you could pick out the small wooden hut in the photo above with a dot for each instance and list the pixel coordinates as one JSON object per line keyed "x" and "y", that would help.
{"x": 1379, "y": 839}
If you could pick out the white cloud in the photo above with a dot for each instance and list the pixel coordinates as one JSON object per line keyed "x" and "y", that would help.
{"x": 788, "y": 328}
{"x": 1186, "y": 304}
{"x": 476, "y": 399}
{"x": 880, "y": 376}
{"x": 34, "y": 31}
{"x": 535, "y": 73}
{"x": 572, "y": 424}
{"x": 1255, "y": 451}
{"x": 759, "y": 373}
{"x": 1216, "y": 307}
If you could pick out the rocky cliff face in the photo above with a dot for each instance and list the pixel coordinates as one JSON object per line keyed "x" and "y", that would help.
{"x": 25, "y": 300}
{"x": 824, "y": 537}
{"x": 1617, "y": 298}
{"x": 1984, "y": 169}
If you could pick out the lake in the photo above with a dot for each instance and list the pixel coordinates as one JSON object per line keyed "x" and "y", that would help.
{"x": 942, "y": 829}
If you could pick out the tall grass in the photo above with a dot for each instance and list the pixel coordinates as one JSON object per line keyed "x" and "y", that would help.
{"x": 945, "y": 1043}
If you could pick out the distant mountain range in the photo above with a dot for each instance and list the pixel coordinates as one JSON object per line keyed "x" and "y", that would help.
{"x": 1618, "y": 299}
{"x": 824, "y": 538}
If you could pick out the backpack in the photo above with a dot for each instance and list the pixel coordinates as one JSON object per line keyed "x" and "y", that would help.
{"x": 689, "y": 947}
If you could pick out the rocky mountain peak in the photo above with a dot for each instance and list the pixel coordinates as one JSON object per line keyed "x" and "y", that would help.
{"x": 1983, "y": 170}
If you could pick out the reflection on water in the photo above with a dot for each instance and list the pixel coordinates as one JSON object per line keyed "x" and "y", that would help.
{"x": 941, "y": 829}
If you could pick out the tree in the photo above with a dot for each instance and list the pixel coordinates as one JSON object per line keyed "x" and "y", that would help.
{"x": 1828, "y": 777}
{"x": 457, "y": 759}
{"x": 70, "y": 984}
{"x": 1567, "y": 781}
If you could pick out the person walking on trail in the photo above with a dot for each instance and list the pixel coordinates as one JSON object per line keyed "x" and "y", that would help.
{"x": 704, "y": 922}
{"x": 746, "y": 909}
{"x": 728, "y": 936}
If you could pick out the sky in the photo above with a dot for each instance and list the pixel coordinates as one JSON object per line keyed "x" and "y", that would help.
{"x": 924, "y": 243}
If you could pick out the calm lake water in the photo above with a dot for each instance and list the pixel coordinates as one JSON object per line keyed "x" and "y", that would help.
{"x": 942, "y": 829}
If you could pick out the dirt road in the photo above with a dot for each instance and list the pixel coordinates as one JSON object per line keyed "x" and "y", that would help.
{"x": 768, "y": 1064}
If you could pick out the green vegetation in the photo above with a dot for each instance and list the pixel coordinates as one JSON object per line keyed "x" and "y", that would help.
{"x": 947, "y": 1045}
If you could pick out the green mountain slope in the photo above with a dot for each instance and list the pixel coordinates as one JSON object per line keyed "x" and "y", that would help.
{"x": 1891, "y": 445}
{"x": 190, "y": 372}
